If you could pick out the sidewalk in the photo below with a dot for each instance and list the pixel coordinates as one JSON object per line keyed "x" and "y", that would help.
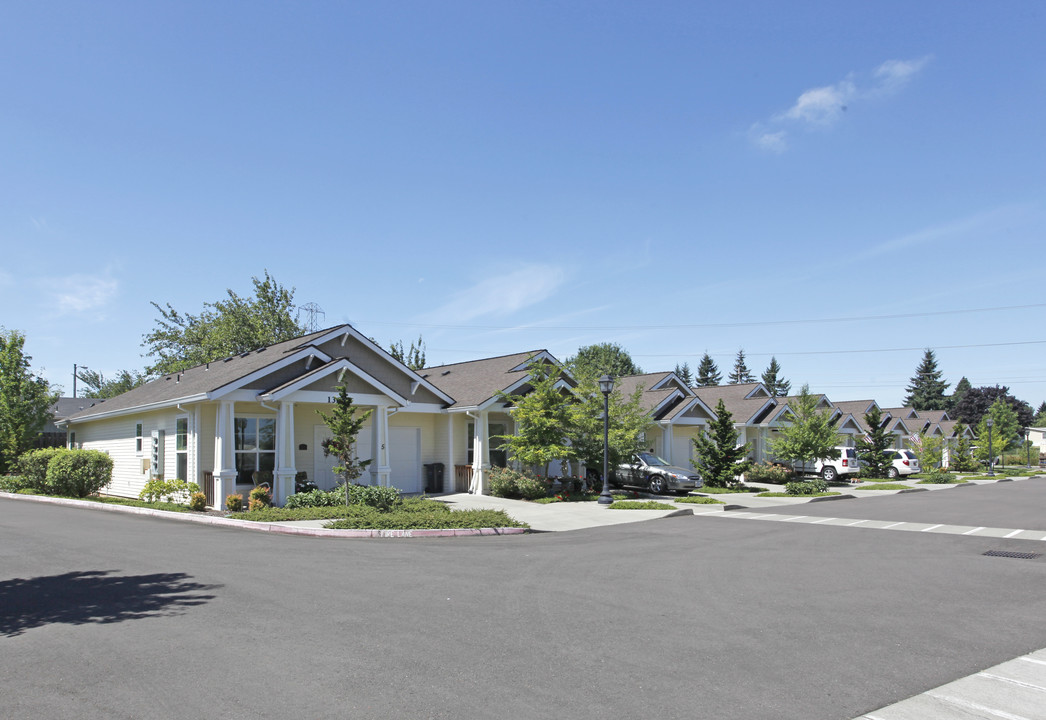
{"x": 557, "y": 517}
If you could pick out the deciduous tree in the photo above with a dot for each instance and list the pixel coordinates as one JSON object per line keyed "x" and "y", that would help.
{"x": 26, "y": 399}
{"x": 719, "y": 459}
{"x": 542, "y": 420}
{"x": 226, "y": 327}
{"x": 809, "y": 436}
{"x": 976, "y": 401}
{"x": 626, "y": 428}
{"x": 98, "y": 386}
{"x": 593, "y": 361}
{"x": 414, "y": 358}
{"x": 1005, "y": 433}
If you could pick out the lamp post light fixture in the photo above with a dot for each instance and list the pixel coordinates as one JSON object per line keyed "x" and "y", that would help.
{"x": 75, "y": 372}
{"x": 606, "y": 386}
{"x": 991, "y": 455}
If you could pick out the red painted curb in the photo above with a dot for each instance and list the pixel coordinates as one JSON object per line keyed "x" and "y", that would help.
{"x": 266, "y": 527}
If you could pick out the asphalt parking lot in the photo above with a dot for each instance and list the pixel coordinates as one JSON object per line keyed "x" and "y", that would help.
{"x": 109, "y": 615}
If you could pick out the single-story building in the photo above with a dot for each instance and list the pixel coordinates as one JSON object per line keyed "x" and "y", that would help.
{"x": 232, "y": 423}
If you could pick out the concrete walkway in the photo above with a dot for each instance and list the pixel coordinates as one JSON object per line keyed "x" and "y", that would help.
{"x": 557, "y": 517}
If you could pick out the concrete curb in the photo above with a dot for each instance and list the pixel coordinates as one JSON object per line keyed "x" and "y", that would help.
{"x": 264, "y": 527}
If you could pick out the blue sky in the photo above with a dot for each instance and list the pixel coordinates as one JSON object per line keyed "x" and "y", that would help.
{"x": 796, "y": 179}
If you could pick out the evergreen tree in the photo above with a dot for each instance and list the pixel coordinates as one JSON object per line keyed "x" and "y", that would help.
{"x": 872, "y": 452}
{"x": 414, "y": 358}
{"x": 960, "y": 459}
{"x": 778, "y": 386}
{"x": 957, "y": 395}
{"x": 707, "y": 372}
{"x": 593, "y": 361}
{"x": 926, "y": 391}
{"x": 25, "y": 399}
{"x": 1040, "y": 417}
{"x": 811, "y": 434}
{"x": 719, "y": 459}
{"x": 345, "y": 422}
{"x": 685, "y": 374}
{"x": 741, "y": 374}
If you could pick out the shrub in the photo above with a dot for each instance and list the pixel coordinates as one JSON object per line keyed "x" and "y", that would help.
{"x": 78, "y": 472}
{"x": 32, "y": 466}
{"x": 376, "y": 496}
{"x": 160, "y": 490}
{"x": 768, "y": 472}
{"x": 806, "y": 487}
{"x": 260, "y": 497}
{"x": 316, "y": 498}
{"x": 234, "y": 502}
{"x": 639, "y": 505}
{"x": 13, "y": 484}
{"x": 938, "y": 477}
{"x": 509, "y": 483}
{"x": 198, "y": 501}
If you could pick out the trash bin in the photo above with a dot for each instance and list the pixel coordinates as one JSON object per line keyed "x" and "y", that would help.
{"x": 433, "y": 478}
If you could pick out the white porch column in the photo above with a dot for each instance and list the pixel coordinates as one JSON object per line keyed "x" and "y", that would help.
{"x": 379, "y": 447}
{"x": 667, "y": 444}
{"x": 285, "y": 468}
{"x": 195, "y": 446}
{"x": 449, "y": 474}
{"x": 480, "y": 455}
{"x": 224, "y": 457}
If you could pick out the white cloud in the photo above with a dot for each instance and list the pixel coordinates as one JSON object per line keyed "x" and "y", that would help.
{"x": 822, "y": 107}
{"x": 501, "y": 294}
{"x": 80, "y": 293}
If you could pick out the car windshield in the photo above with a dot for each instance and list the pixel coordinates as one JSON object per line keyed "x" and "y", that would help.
{"x": 651, "y": 459}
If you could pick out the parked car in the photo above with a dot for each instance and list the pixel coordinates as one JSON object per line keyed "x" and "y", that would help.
{"x": 843, "y": 466}
{"x": 649, "y": 471}
{"x": 904, "y": 462}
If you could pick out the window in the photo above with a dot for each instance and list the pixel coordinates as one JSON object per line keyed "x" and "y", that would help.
{"x": 498, "y": 456}
{"x": 255, "y": 449}
{"x": 72, "y": 441}
{"x": 181, "y": 448}
{"x": 138, "y": 438}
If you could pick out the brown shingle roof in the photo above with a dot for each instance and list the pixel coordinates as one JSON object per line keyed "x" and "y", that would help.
{"x": 474, "y": 382}
{"x": 744, "y": 410}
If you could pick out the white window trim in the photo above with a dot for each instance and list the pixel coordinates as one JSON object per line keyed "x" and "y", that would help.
{"x": 139, "y": 438}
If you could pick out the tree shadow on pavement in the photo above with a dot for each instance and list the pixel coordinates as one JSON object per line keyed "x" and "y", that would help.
{"x": 96, "y": 596}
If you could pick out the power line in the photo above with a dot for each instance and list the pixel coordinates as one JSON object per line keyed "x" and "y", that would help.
{"x": 868, "y": 350}
{"x": 754, "y": 323}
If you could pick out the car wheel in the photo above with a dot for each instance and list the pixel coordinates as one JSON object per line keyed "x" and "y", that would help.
{"x": 829, "y": 473}
{"x": 656, "y": 483}
{"x": 892, "y": 473}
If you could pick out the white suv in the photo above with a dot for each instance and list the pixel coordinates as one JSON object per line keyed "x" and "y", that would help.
{"x": 843, "y": 466}
{"x": 905, "y": 462}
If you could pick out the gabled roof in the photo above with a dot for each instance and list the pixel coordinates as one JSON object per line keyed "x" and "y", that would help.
{"x": 778, "y": 412}
{"x": 902, "y": 412}
{"x": 660, "y": 391}
{"x": 898, "y": 424}
{"x": 935, "y": 416}
{"x": 267, "y": 370}
{"x": 857, "y": 408}
{"x": 744, "y": 402}
{"x": 477, "y": 382}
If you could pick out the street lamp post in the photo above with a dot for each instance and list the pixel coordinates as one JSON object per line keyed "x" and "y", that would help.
{"x": 1027, "y": 446}
{"x": 75, "y": 371}
{"x": 991, "y": 455}
{"x": 606, "y": 386}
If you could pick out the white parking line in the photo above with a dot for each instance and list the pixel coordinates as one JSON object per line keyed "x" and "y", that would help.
{"x": 971, "y": 532}
{"x": 1018, "y": 683}
{"x": 976, "y": 707}
{"x": 887, "y": 527}
{"x": 932, "y": 527}
{"x": 855, "y": 522}
{"x": 815, "y": 522}
{"x": 797, "y": 517}
{"x": 1015, "y": 532}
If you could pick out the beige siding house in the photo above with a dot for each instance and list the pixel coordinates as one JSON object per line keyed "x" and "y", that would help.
{"x": 254, "y": 417}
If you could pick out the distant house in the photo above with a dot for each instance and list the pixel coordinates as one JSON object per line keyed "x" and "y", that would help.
{"x": 678, "y": 412}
